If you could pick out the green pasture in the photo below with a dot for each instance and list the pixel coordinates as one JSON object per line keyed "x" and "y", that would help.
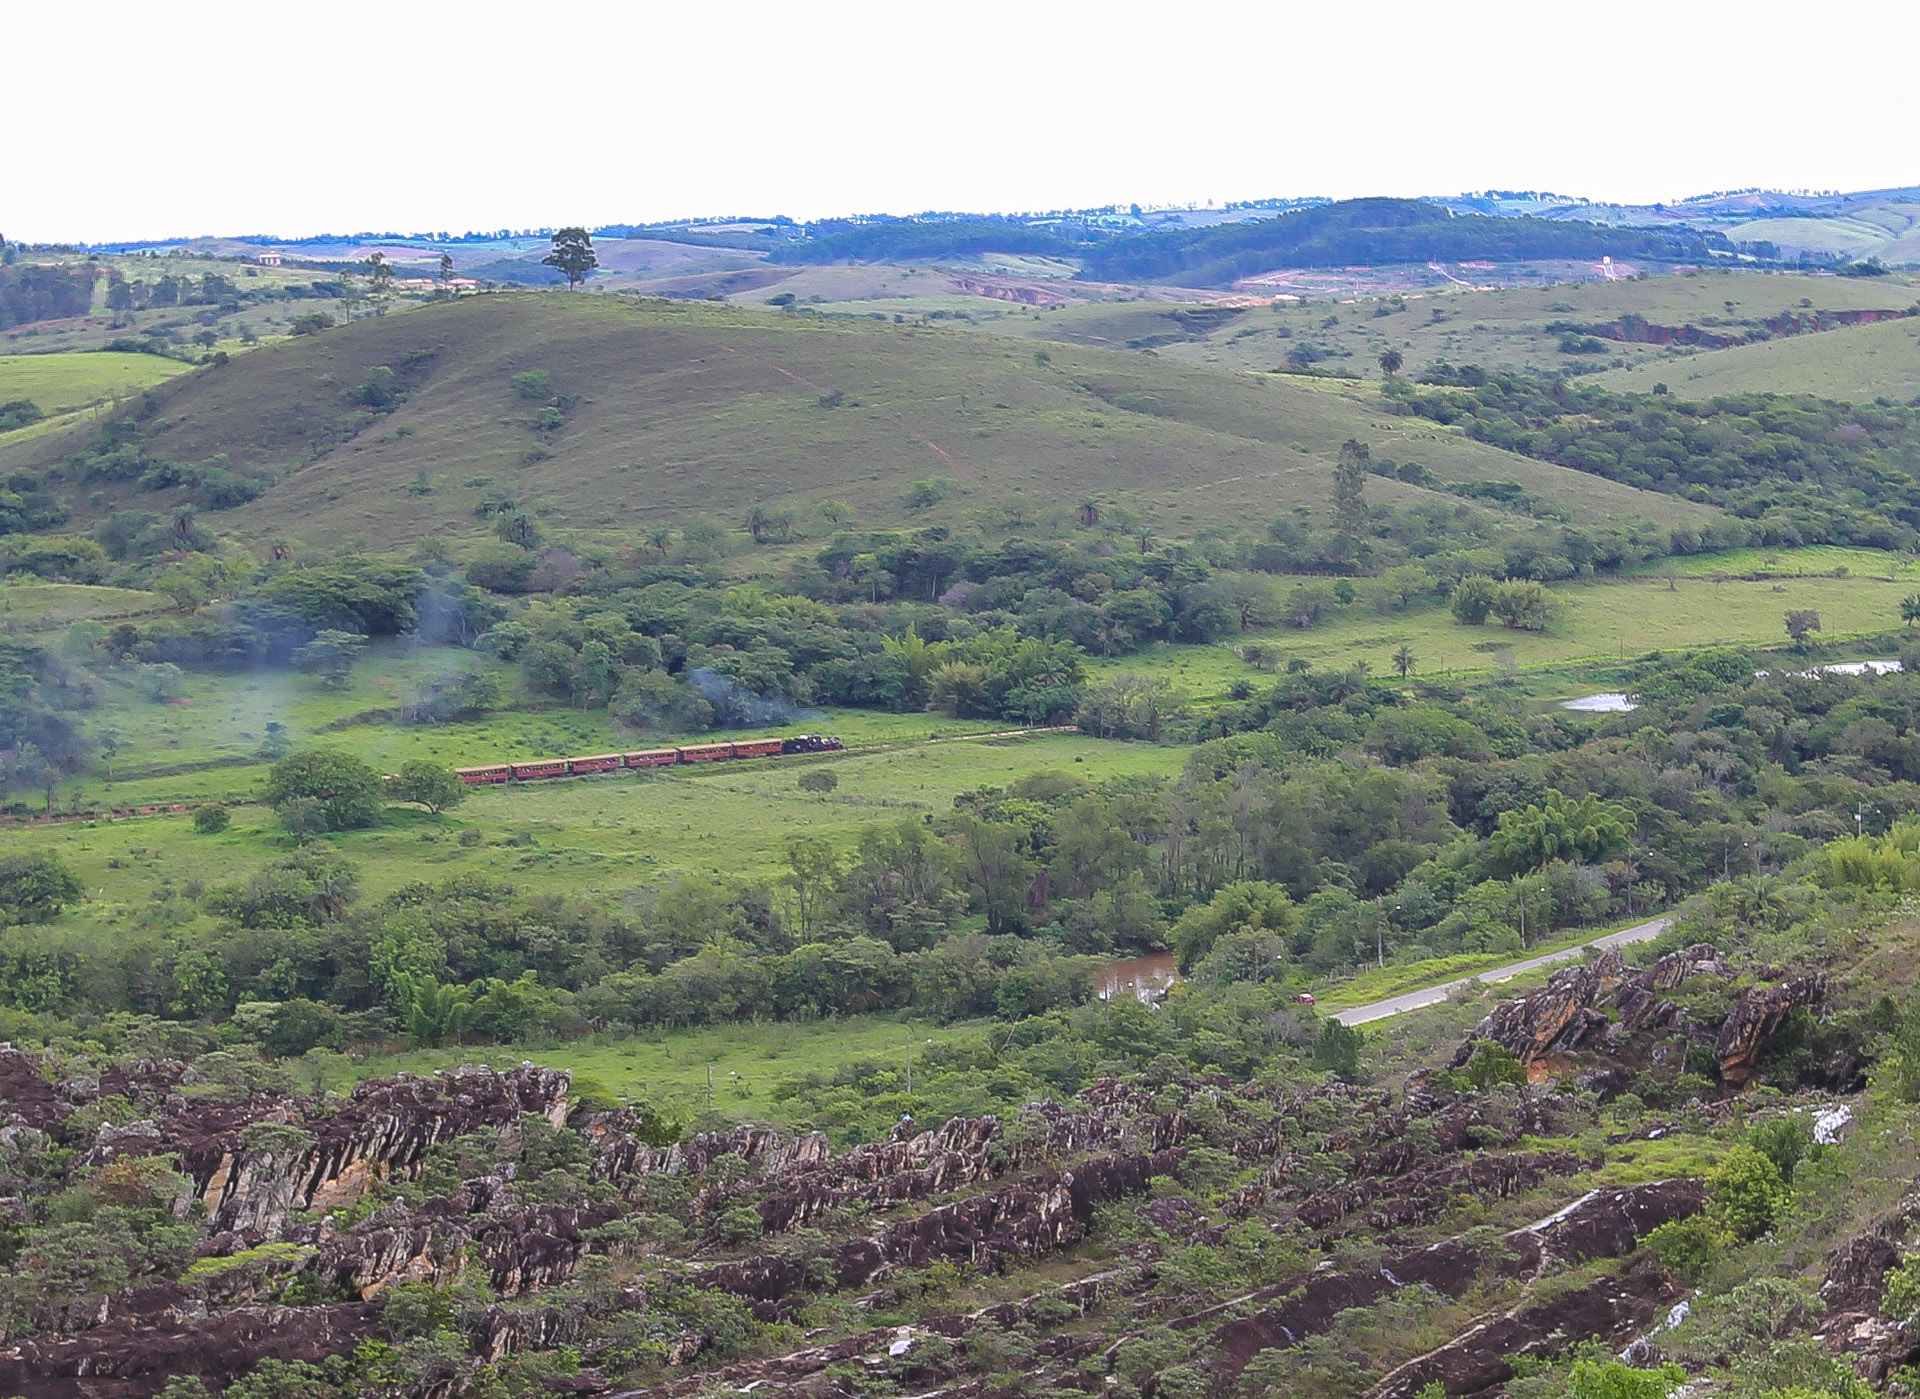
{"x": 205, "y": 744}
{"x": 42, "y": 605}
{"x": 59, "y": 383}
{"x": 1854, "y": 364}
{"x": 1807, "y": 561}
{"x": 600, "y": 836}
{"x": 743, "y": 1063}
{"x": 1598, "y": 621}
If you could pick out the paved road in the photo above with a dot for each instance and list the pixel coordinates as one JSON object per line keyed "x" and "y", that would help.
{"x": 1433, "y": 995}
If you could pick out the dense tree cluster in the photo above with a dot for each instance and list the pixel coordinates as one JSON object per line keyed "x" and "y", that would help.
{"x": 1789, "y": 470}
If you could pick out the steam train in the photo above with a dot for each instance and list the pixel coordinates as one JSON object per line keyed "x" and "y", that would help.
{"x": 646, "y": 758}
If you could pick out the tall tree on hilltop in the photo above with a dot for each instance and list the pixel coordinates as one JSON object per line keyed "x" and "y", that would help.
{"x": 572, "y": 254}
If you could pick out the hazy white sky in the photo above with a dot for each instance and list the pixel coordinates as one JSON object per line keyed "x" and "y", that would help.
{"x": 141, "y": 120}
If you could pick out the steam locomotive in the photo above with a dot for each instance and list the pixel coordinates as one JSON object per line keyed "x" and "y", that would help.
{"x": 646, "y": 758}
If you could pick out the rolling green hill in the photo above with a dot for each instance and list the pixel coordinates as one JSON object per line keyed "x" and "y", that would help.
{"x": 654, "y": 412}
{"x": 1856, "y": 364}
{"x": 1366, "y": 231}
{"x": 1504, "y": 329}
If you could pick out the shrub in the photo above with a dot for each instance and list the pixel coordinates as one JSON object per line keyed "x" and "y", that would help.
{"x": 739, "y": 1226}
{"x": 818, "y": 780}
{"x": 535, "y": 384}
{"x": 211, "y": 819}
{"x": 1748, "y": 1192}
{"x": 1473, "y": 599}
{"x": 34, "y": 888}
{"x": 347, "y": 791}
{"x": 1686, "y": 1246}
{"x": 1494, "y": 1065}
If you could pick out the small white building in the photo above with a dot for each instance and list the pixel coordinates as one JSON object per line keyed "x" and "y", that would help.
{"x": 268, "y": 259}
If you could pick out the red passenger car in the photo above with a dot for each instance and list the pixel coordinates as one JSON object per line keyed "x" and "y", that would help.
{"x": 757, "y": 748}
{"x": 599, "y": 762}
{"x": 545, "y": 767}
{"x": 705, "y": 752}
{"x": 480, "y": 777}
{"x": 653, "y": 758}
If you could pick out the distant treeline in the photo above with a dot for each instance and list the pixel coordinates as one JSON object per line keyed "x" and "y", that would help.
{"x": 30, "y": 294}
{"x": 905, "y": 242}
{"x": 1354, "y": 231}
{"x": 1367, "y": 231}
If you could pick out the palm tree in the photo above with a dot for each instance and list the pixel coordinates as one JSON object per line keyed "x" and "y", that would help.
{"x": 1403, "y": 661}
{"x": 660, "y": 537}
{"x": 758, "y": 521}
{"x": 1089, "y": 511}
{"x": 1390, "y": 361}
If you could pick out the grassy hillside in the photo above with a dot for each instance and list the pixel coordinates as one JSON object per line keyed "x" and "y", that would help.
{"x": 1505, "y": 329}
{"x": 1365, "y": 231}
{"x": 1889, "y": 231}
{"x": 1597, "y": 621}
{"x": 1855, "y": 364}
{"x": 664, "y": 411}
{"x": 60, "y": 383}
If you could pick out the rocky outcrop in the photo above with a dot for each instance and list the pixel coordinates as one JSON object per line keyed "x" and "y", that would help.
{"x": 520, "y": 1247}
{"x": 1601, "y": 1224}
{"x": 1855, "y": 1287}
{"x": 385, "y": 1129}
{"x": 1555, "y": 1018}
{"x": 1395, "y": 1203}
{"x": 133, "y": 1357}
{"x": 1758, "y": 1015}
{"x": 1571, "y": 1012}
{"x": 1037, "y": 1215}
{"x": 1611, "y": 1308}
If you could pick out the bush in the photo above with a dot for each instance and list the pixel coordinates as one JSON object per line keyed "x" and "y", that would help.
{"x": 211, "y": 819}
{"x": 34, "y": 888}
{"x": 818, "y": 780}
{"x": 740, "y": 1226}
{"x": 1748, "y": 1192}
{"x": 535, "y": 384}
{"x": 1473, "y": 599}
{"x": 428, "y": 784}
{"x": 1686, "y": 1246}
{"x": 348, "y": 794}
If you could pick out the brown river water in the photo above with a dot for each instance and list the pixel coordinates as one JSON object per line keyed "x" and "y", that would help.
{"x": 1146, "y": 978}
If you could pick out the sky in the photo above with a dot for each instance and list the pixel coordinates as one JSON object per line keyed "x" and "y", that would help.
{"x": 147, "y": 121}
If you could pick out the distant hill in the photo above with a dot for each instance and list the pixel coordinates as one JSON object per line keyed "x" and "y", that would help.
{"x": 900, "y": 240}
{"x": 1352, "y": 232}
{"x": 1369, "y": 231}
{"x": 399, "y": 427}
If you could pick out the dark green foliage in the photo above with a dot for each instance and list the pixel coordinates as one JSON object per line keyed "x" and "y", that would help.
{"x": 1748, "y": 1191}
{"x": 1792, "y": 470}
{"x": 428, "y": 783}
{"x": 211, "y": 818}
{"x": 349, "y": 793}
{"x": 1493, "y": 1065}
{"x": 1336, "y": 1049}
{"x": 32, "y": 293}
{"x": 18, "y": 412}
{"x": 572, "y": 255}
{"x": 35, "y": 888}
